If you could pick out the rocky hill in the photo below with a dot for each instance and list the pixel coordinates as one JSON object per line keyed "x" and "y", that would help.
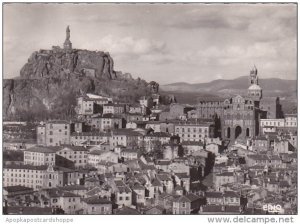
{"x": 51, "y": 79}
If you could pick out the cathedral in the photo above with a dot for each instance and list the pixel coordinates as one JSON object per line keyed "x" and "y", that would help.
{"x": 241, "y": 115}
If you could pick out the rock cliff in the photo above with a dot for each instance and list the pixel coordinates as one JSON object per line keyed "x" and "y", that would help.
{"x": 51, "y": 79}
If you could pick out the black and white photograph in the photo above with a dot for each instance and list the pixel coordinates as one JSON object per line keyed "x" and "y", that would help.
{"x": 150, "y": 109}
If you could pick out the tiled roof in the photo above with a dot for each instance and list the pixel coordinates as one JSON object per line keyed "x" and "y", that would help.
{"x": 42, "y": 149}
{"x": 178, "y": 188}
{"x": 159, "y": 134}
{"x": 29, "y": 210}
{"x": 156, "y": 183}
{"x": 231, "y": 194}
{"x": 258, "y": 157}
{"x": 96, "y": 200}
{"x": 127, "y": 211}
{"x": 74, "y": 148}
{"x": 17, "y": 188}
{"x": 163, "y": 162}
{"x": 21, "y": 166}
{"x": 58, "y": 122}
{"x": 138, "y": 186}
{"x": 192, "y": 143}
{"x": 96, "y": 152}
{"x": 228, "y": 174}
{"x": 55, "y": 192}
{"x": 214, "y": 194}
{"x": 127, "y": 132}
{"x": 124, "y": 188}
{"x": 73, "y": 187}
{"x": 91, "y": 134}
{"x": 182, "y": 175}
{"x": 212, "y": 208}
{"x": 129, "y": 150}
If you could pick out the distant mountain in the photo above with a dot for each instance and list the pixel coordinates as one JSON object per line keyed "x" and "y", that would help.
{"x": 222, "y": 87}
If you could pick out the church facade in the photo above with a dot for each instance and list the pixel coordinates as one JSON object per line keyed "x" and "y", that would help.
{"x": 241, "y": 115}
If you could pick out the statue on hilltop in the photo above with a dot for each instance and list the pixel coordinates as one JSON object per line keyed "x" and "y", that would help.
{"x": 68, "y": 43}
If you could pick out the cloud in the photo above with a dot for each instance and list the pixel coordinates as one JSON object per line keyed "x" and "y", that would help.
{"x": 127, "y": 45}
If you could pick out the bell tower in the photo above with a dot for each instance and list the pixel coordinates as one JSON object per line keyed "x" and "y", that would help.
{"x": 254, "y": 91}
{"x": 253, "y": 76}
{"x": 68, "y": 43}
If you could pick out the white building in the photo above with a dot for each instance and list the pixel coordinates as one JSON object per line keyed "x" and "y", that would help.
{"x": 38, "y": 156}
{"x": 193, "y": 132}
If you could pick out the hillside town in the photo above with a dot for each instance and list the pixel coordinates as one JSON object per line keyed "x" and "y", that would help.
{"x": 230, "y": 157}
{"x": 220, "y": 156}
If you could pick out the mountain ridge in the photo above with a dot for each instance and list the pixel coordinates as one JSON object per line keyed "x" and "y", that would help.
{"x": 235, "y": 85}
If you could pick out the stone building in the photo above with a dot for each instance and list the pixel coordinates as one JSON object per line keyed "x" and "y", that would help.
{"x": 208, "y": 108}
{"x": 241, "y": 115}
{"x": 194, "y": 131}
{"x": 54, "y": 133}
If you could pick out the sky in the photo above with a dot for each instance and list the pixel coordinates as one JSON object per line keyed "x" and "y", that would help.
{"x": 167, "y": 43}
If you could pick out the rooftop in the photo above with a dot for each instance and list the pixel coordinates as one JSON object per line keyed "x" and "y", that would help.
{"x": 96, "y": 200}
{"x": 17, "y": 188}
{"x": 42, "y": 149}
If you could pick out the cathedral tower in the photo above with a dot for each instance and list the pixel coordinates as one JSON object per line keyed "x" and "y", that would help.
{"x": 68, "y": 43}
{"x": 254, "y": 91}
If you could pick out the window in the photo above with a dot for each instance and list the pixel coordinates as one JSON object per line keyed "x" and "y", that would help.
{"x": 50, "y": 140}
{"x": 120, "y": 198}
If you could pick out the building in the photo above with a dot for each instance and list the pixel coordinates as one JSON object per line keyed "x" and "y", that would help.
{"x": 54, "y": 133}
{"x": 123, "y": 194}
{"x": 38, "y": 177}
{"x": 67, "y": 201}
{"x": 242, "y": 114}
{"x": 291, "y": 120}
{"x": 89, "y": 138}
{"x": 271, "y": 125}
{"x": 96, "y": 205}
{"x": 97, "y": 156}
{"x": 156, "y": 139}
{"x": 207, "y": 108}
{"x": 107, "y": 122}
{"x": 129, "y": 154}
{"x": 194, "y": 131}
{"x": 38, "y": 156}
{"x": 90, "y": 104}
{"x": 186, "y": 204}
{"x": 138, "y": 194}
{"x": 113, "y": 108}
{"x": 125, "y": 137}
{"x": 224, "y": 178}
{"x": 76, "y": 154}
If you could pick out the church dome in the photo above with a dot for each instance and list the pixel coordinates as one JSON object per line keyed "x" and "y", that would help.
{"x": 254, "y": 87}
